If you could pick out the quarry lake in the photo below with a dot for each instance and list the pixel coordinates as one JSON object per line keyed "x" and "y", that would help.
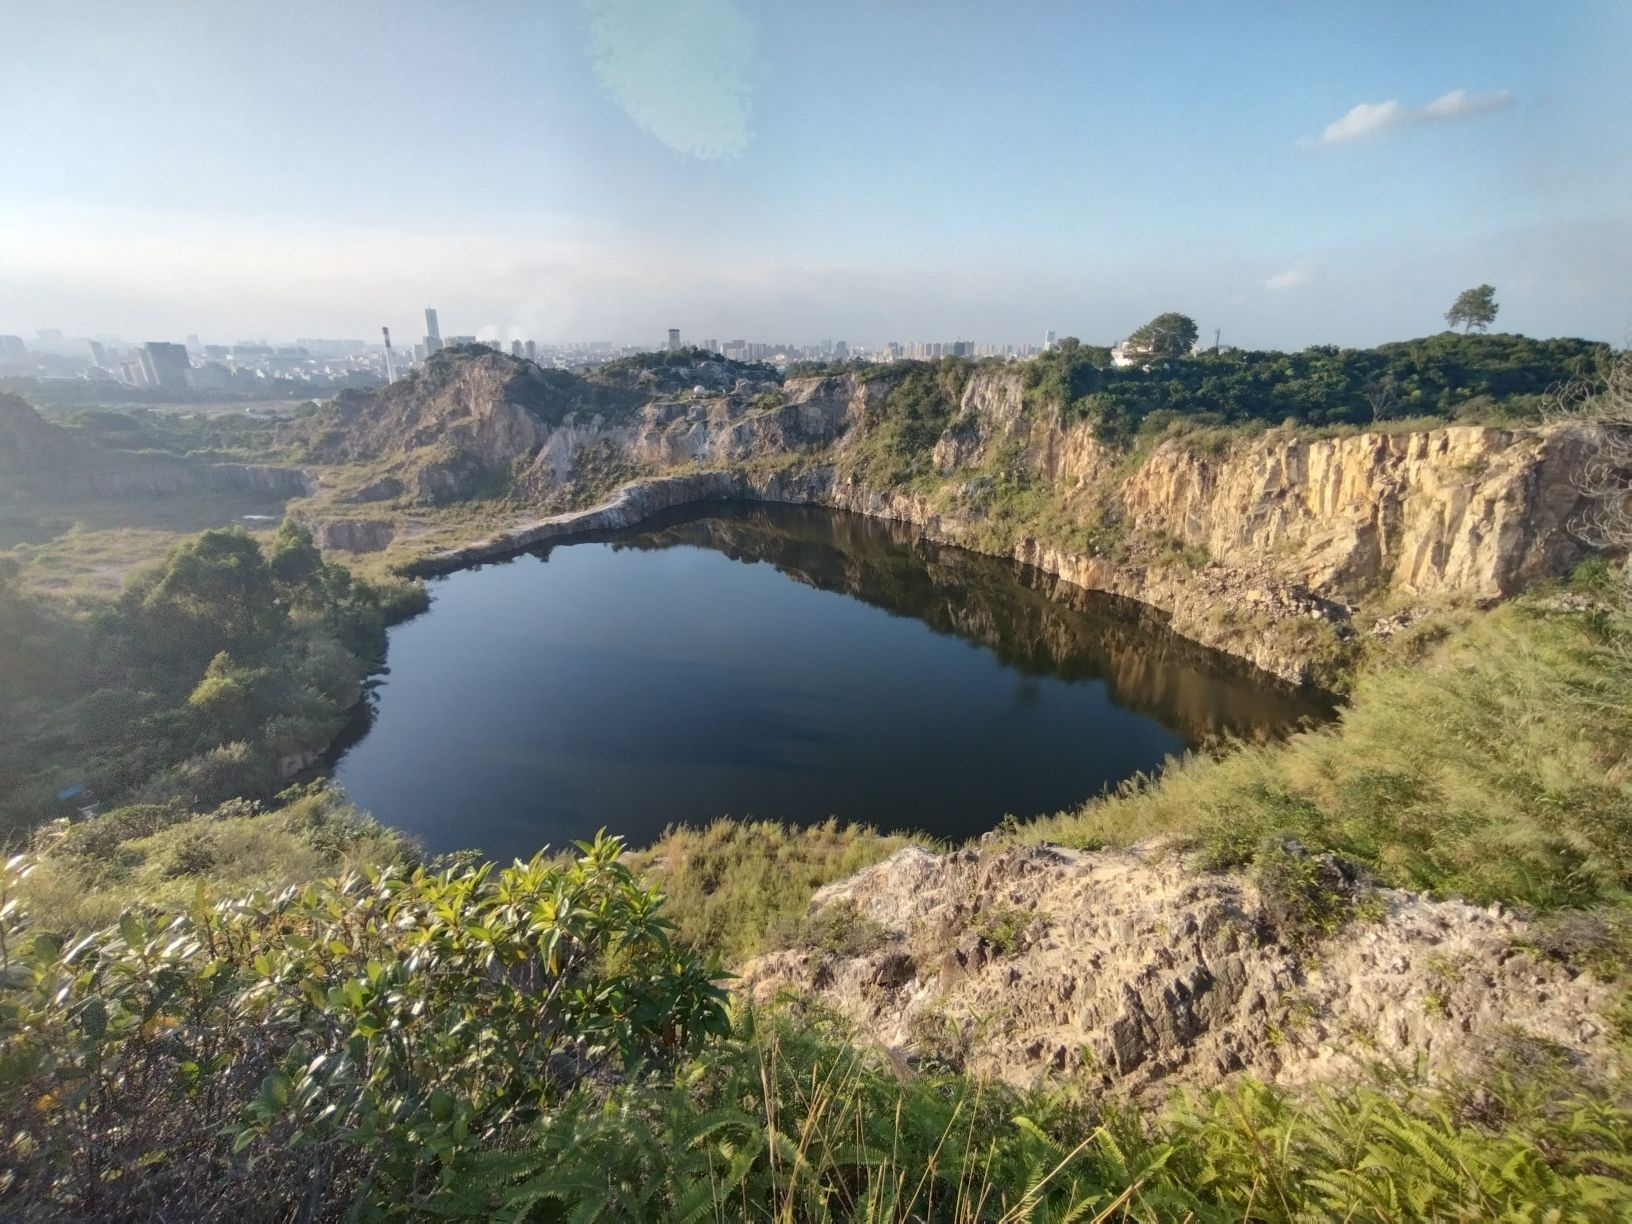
{"x": 777, "y": 662}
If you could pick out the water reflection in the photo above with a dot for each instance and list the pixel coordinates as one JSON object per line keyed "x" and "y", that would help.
{"x": 1030, "y": 620}
{"x": 674, "y": 674}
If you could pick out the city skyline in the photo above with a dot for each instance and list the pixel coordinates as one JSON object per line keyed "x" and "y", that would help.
{"x": 606, "y": 168}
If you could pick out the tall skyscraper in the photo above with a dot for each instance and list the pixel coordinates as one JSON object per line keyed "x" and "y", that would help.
{"x": 165, "y": 365}
{"x": 433, "y": 333}
{"x": 674, "y": 339}
{"x": 532, "y": 351}
{"x": 515, "y": 348}
{"x": 1048, "y": 342}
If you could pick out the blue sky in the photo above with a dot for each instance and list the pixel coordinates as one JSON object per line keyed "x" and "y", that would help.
{"x": 570, "y": 169}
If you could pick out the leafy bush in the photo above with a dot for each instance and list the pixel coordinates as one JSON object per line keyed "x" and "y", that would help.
{"x": 189, "y": 688}
{"x": 342, "y": 1042}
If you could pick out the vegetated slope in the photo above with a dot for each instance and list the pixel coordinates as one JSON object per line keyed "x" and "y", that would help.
{"x": 30, "y": 445}
{"x": 353, "y": 1044}
{"x": 216, "y": 676}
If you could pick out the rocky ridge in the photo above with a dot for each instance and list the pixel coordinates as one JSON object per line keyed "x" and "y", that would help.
{"x": 34, "y": 449}
{"x": 1261, "y": 547}
{"x": 1135, "y": 970}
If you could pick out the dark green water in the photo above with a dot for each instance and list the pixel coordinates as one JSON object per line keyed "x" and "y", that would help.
{"x": 775, "y": 662}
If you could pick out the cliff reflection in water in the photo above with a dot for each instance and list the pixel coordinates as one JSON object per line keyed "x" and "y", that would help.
{"x": 1031, "y": 621}
{"x": 661, "y": 675}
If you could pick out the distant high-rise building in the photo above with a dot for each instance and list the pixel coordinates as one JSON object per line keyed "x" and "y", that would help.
{"x": 12, "y": 346}
{"x": 194, "y": 342}
{"x": 164, "y": 365}
{"x": 99, "y": 355}
{"x": 515, "y": 348}
{"x": 712, "y": 346}
{"x": 674, "y": 339}
{"x": 841, "y": 351}
{"x": 433, "y": 333}
{"x": 532, "y": 351}
{"x": 1048, "y": 342}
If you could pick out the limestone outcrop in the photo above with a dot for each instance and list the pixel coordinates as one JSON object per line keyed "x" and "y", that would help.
{"x": 353, "y": 535}
{"x": 1261, "y": 545}
{"x": 1135, "y": 970}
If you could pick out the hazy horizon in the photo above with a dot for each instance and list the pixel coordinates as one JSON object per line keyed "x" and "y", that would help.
{"x": 611, "y": 168}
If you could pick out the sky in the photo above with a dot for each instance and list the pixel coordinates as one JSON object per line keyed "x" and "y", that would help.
{"x": 1288, "y": 173}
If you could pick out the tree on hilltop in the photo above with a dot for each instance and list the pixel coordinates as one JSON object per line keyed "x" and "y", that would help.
{"x": 1473, "y": 308}
{"x": 1167, "y": 335}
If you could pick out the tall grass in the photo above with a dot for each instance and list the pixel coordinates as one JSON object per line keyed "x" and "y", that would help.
{"x": 792, "y": 1120}
{"x": 737, "y": 888}
{"x": 1496, "y": 769}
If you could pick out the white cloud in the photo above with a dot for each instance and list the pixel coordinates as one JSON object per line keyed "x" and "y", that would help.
{"x": 679, "y": 70}
{"x": 1297, "y": 274}
{"x": 1373, "y": 118}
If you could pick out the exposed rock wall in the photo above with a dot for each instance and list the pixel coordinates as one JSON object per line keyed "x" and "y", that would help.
{"x": 1462, "y": 508}
{"x": 353, "y": 535}
{"x": 1137, "y": 971}
{"x": 1295, "y": 530}
{"x": 164, "y": 479}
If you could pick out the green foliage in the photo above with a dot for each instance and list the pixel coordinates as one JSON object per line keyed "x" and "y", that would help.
{"x": 1473, "y": 308}
{"x": 842, "y": 931}
{"x": 900, "y": 428}
{"x": 82, "y": 875}
{"x": 742, "y": 887}
{"x": 1167, "y": 335}
{"x": 790, "y": 1121}
{"x": 1305, "y": 897}
{"x": 342, "y": 1043}
{"x": 1004, "y": 926}
{"x": 207, "y": 671}
{"x": 1365, "y": 1153}
{"x": 1500, "y": 378}
{"x": 1497, "y": 769}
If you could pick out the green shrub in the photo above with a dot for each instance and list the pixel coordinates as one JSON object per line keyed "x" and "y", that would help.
{"x": 345, "y": 1042}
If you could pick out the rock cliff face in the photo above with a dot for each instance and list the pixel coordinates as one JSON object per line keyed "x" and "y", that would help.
{"x": 1261, "y": 546}
{"x": 162, "y": 479}
{"x": 1463, "y": 508}
{"x": 1136, "y": 971}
